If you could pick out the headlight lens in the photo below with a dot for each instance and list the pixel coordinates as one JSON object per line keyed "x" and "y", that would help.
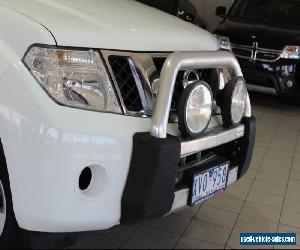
{"x": 291, "y": 52}
{"x": 73, "y": 78}
{"x": 195, "y": 109}
{"x": 233, "y": 104}
{"x": 225, "y": 43}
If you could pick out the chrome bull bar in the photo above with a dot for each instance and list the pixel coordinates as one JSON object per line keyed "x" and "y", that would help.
{"x": 184, "y": 61}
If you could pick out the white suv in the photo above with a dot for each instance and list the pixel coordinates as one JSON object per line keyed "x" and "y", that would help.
{"x": 112, "y": 112}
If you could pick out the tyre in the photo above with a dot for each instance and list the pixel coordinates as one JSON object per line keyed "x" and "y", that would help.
{"x": 11, "y": 236}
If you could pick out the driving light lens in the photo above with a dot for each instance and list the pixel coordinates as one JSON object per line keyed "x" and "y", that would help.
{"x": 195, "y": 109}
{"x": 238, "y": 102}
{"x": 73, "y": 78}
{"x": 233, "y": 105}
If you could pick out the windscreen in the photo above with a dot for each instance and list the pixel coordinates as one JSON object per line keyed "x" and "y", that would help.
{"x": 169, "y": 6}
{"x": 285, "y": 12}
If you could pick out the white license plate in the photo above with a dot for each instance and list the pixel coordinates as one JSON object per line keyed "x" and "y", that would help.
{"x": 208, "y": 183}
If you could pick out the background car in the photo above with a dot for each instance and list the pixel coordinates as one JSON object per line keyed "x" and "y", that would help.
{"x": 265, "y": 37}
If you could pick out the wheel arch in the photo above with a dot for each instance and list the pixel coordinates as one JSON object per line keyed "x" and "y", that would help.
{"x": 2, "y": 154}
{"x": 7, "y": 173}
{"x": 3, "y": 165}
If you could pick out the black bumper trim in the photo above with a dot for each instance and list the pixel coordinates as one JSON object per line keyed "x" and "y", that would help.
{"x": 247, "y": 144}
{"x": 150, "y": 187}
{"x": 149, "y": 191}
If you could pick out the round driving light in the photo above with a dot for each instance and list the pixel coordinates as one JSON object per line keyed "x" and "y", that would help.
{"x": 195, "y": 109}
{"x": 233, "y": 104}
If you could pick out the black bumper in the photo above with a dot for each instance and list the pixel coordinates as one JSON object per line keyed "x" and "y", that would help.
{"x": 150, "y": 189}
{"x": 273, "y": 75}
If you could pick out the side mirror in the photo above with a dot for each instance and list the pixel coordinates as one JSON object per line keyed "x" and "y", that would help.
{"x": 221, "y": 11}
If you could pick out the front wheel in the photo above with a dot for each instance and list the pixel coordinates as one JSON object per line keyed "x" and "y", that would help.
{"x": 2, "y": 209}
{"x": 11, "y": 236}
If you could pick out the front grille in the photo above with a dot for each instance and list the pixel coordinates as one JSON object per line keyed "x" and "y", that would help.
{"x": 242, "y": 52}
{"x": 268, "y": 55}
{"x": 256, "y": 54}
{"x": 126, "y": 82}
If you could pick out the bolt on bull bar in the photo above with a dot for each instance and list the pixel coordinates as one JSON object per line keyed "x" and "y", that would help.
{"x": 190, "y": 60}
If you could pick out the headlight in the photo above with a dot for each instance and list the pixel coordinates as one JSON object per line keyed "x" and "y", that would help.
{"x": 225, "y": 43}
{"x": 291, "y": 52}
{"x": 234, "y": 97}
{"x": 195, "y": 109}
{"x": 74, "y": 78}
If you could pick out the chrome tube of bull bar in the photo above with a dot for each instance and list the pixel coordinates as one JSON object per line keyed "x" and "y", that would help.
{"x": 184, "y": 61}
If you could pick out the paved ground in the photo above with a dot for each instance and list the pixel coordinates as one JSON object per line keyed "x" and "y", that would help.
{"x": 267, "y": 199}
